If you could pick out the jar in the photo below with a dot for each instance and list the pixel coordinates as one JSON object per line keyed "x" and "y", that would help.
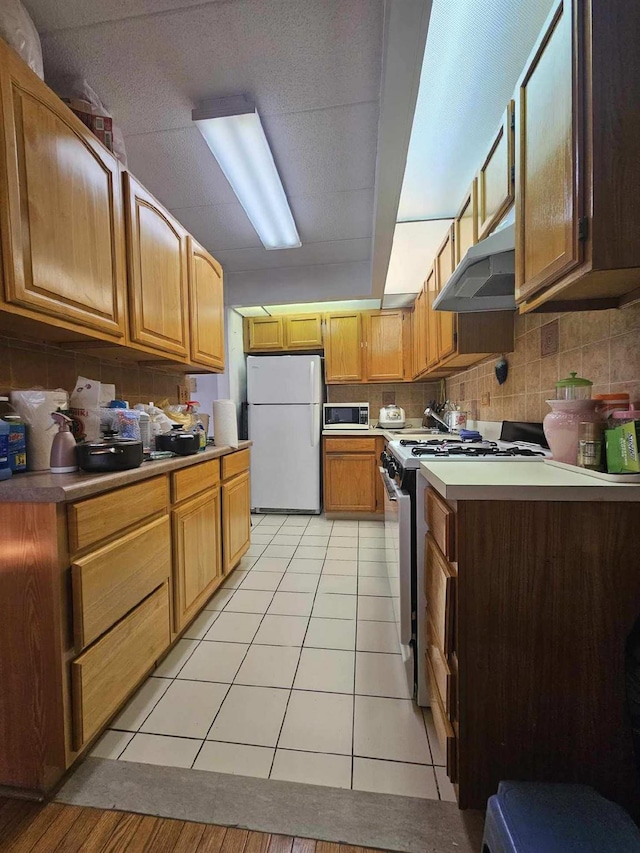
{"x": 624, "y": 416}
{"x": 612, "y": 402}
{"x": 561, "y": 426}
{"x": 590, "y": 436}
{"x": 574, "y": 388}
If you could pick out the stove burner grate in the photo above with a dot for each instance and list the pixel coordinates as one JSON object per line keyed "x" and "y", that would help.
{"x": 492, "y": 450}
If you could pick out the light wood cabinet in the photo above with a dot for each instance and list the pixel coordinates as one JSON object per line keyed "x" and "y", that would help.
{"x": 263, "y": 334}
{"x": 384, "y": 346}
{"x": 352, "y": 482}
{"x": 343, "y": 347}
{"x": 206, "y": 308}
{"x": 61, "y": 213}
{"x": 303, "y": 332}
{"x": 236, "y": 519}
{"x": 496, "y": 177}
{"x": 158, "y": 273}
{"x": 431, "y": 322}
{"x": 197, "y": 544}
{"x": 446, "y": 320}
{"x": 283, "y": 333}
{"x": 465, "y": 226}
{"x": 577, "y": 167}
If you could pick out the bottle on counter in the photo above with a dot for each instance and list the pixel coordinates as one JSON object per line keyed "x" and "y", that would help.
{"x": 590, "y": 441}
{"x": 197, "y": 424}
{"x": 5, "y": 466}
{"x": 17, "y": 436}
{"x": 63, "y": 450}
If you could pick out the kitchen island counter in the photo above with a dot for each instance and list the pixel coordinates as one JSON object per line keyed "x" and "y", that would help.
{"x": 45, "y": 487}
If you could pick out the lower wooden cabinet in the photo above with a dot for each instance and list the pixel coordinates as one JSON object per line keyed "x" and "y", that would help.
{"x": 236, "y": 519}
{"x": 352, "y": 481}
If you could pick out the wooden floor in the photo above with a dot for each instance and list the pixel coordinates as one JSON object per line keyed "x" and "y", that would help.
{"x": 34, "y": 828}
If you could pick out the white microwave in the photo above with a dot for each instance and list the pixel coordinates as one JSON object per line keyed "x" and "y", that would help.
{"x": 345, "y": 416}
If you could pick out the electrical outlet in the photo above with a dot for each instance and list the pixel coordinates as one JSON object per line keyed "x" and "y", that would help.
{"x": 183, "y": 394}
{"x": 192, "y": 384}
{"x": 485, "y": 399}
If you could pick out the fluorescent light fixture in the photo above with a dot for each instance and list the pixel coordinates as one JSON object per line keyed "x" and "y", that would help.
{"x": 233, "y": 131}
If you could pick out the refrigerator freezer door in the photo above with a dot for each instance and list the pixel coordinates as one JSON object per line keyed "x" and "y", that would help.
{"x": 285, "y": 457}
{"x": 274, "y": 379}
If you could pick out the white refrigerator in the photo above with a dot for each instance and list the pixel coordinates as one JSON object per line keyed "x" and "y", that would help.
{"x": 285, "y": 395}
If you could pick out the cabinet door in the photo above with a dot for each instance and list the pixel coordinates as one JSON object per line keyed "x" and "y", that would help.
{"x": 350, "y": 482}
{"x": 265, "y": 333}
{"x": 495, "y": 178}
{"x": 157, "y": 256}
{"x": 465, "y": 224}
{"x": 417, "y": 328}
{"x": 546, "y": 197}
{"x": 60, "y": 209}
{"x": 206, "y": 308}
{"x": 197, "y": 565}
{"x": 446, "y": 320}
{"x": 236, "y": 520}
{"x": 384, "y": 356}
{"x": 343, "y": 348}
{"x": 304, "y": 332}
{"x": 431, "y": 321}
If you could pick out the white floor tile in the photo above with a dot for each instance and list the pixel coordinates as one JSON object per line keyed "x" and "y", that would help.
{"x": 260, "y": 538}
{"x": 111, "y": 744}
{"x": 437, "y": 756}
{"x": 270, "y": 522}
{"x": 331, "y": 634}
{"x": 446, "y": 789}
{"x": 312, "y": 768}
{"x": 251, "y": 715}
{"x": 319, "y": 528}
{"x": 391, "y": 729}
{"x": 374, "y": 586}
{"x": 141, "y": 704}
{"x": 291, "y": 604}
{"x": 310, "y": 552}
{"x": 343, "y": 542}
{"x": 297, "y": 520}
{"x": 213, "y": 661}
{"x": 269, "y": 666}
{"x": 201, "y": 625}
{"x": 249, "y": 601}
{"x": 286, "y": 539}
{"x": 305, "y": 567}
{"x": 266, "y": 581}
{"x": 331, "y": 606}
{"x": 381, "y": 675}
{"x": 340, "y": 567}
{"x": 187, "y": 709}
{"x": 345, "y": 528}
{"x": 166, "y": 751}
{"x": 342, "y": 553}
{"x": 176, "y": 659}
{"x": 325, "y": 669}
{"x": 377, "y": 637}
{"x": 282, "y": 630}
{"x": 234, "y": 627}
{"x": 271, "y": 564}
{"x": 239, "y": 760}
{"x": 372, "y": 555}
{"x": 318, "y": 722}
{"x": 245, "y": 564}
{"x": 344, "y": 584}
{"x": 390, "y": 777}
{"x": 280, "y": 551}
{"x": 255, "y": 550}
{"x": 298, "y": 582}
{"x": 314, "y": 541}
{"x": 371, "y": 525}
{"x": 372, "y": 570}
{"x": 219, "y": 599}
{"x": 376, "y": 537}
{"x": 377, "y": 609}
{"x": 235, "y": 578}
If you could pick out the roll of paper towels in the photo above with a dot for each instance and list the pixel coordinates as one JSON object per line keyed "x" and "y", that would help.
{"x": 35, "y": 407}
{"x": 225, "y": 423}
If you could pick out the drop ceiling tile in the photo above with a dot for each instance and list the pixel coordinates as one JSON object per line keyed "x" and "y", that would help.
{"x": 221, "y": 226}
{"x": 338, "y": 216}
{"x": 331, "y": 252}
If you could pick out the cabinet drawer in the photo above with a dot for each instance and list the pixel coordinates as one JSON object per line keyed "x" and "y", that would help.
{"x": 440, "y": 583}
{"x": 99, "y": 518}
{"x": 197, "y": 478}
{"x": 104, "y": 675}
{"x": 443, "y": 727}
{"x": 349, "y": 445}
{"x": 442, "y": 673}
{"x": 108, "y": 583}
{"x": 441, "y": 520}
{"x": 235, "y": 463}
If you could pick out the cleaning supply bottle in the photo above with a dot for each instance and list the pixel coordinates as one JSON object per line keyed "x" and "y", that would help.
{"x": 63, "y": 449}
{"x": 17, "y": 436}
{"x": 197, "y": 425}
{"x": 5, "y": 467}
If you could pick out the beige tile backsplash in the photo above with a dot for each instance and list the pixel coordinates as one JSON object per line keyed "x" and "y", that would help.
{"x": 412, "y": 397}
{"x": 27, "y": 364}
{"x": 603, "y": 346}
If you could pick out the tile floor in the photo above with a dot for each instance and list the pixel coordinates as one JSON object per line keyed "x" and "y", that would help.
{"x": 291, "y": 672}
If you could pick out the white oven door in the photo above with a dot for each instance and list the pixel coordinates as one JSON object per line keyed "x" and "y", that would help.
{"x": 397, "y": 523}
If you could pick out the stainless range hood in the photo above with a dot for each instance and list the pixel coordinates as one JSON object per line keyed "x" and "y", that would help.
{"x": 484, "y": 280}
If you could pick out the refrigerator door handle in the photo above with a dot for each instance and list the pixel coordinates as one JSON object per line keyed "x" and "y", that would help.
{"x": 312, "y": 374}
{"x": 313, "y": 425}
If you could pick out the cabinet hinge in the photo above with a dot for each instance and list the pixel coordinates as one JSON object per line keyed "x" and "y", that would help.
{"x": 513, "y": 174}
{"x": 583, "y": 228}
{"x": 513, "y": 120}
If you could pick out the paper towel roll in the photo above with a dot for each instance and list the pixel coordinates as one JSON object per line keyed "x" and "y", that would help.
{"x": 225, "y": 423}
{"x": 35, "y": 407}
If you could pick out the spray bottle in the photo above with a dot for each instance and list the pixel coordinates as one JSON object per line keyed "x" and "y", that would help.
{"x": 63, "y": 449}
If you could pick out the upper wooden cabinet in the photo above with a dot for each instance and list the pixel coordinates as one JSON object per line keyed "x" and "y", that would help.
{"x": 303, "y": 332}
{"x": 284, "y": 333}
{"x": 577, "y": 165}
{"x": 384, "y": 346}
{"x": 343, "y": 347}
{"x": 496, "y": 177}
{"x": 465, "y": 225}
{"x": 158, "y": 272}
{"x": 264, "y": 333}
{"x": 206, "y": 308}
{"x": 60, "y": 211}
{"x": 446, "y": 320}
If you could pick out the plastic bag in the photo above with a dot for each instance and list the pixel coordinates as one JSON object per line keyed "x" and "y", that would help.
{"x": 18, "y": 30}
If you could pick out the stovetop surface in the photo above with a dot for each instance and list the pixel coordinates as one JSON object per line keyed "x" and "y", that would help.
{"x": 411, "y": 453}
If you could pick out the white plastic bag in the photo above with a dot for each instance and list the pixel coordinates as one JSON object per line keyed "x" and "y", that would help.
{"x": 18, "y": 30}
{"x": 84, "y": 407}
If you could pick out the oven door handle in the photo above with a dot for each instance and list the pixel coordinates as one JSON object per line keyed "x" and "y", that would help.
{"x": 389, "y": 485}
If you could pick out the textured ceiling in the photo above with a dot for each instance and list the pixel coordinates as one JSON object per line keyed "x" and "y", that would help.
{"x": 314, "y": 69}
{"x": 475, "y": 52}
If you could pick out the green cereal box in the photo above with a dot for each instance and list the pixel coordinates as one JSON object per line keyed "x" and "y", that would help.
{"x": 622, "y": 449}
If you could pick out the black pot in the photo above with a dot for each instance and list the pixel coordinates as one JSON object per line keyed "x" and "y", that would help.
{"x": 113, "y": 454}
{"x": 178, "y": 441}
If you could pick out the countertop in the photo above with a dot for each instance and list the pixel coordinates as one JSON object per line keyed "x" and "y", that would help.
{"x": 45, "y": 487}
{"x": 522, "y": 481}
{"x": 389, "y": 434}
